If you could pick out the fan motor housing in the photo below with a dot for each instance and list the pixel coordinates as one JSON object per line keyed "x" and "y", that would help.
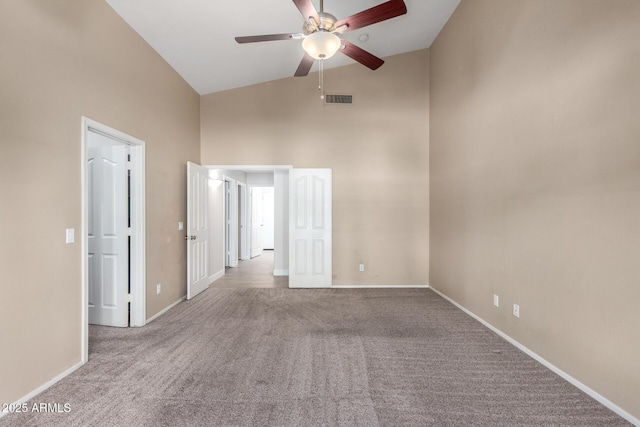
{"x": 326, "y": 23}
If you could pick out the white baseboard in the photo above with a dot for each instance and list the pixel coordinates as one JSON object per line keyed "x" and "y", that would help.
{"x": 380, "y": 286}
{"x": 44, "y": 386}
{"x": 216, "y": 276}
{"x": 163, "y": 311}
{"x": 280, "y": 272}
{"x": 595, "y": 395}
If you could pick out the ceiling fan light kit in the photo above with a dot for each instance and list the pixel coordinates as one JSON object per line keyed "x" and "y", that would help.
{"x": 320, "y": 33}
{"x": 321, "y": 44}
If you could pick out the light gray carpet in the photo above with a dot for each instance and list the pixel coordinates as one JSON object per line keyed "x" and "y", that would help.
{"x": 282, "y": 357}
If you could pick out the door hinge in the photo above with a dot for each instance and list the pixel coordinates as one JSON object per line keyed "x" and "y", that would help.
{"x": 129, "y": 232}
{"x": 129, "y": 299}
{"x": 129, "y": 165}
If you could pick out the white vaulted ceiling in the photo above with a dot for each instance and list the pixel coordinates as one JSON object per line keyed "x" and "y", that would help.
{"x": 196, "y": 37}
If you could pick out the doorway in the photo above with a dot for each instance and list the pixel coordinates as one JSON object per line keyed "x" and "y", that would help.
{"x": 302, "y": 205}
{"x": 113, "y": 252}
{"x": 247, "y": 179}
{"x": 263, "y": 219}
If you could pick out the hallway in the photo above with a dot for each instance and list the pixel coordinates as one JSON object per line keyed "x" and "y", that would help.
{"x": 254, "y": 273}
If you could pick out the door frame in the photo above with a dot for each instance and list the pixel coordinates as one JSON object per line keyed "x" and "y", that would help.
{"x": 138, "y": 224}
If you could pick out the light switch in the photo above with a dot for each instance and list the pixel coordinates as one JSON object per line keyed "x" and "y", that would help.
{"x": 71, "y": 235}
{"x": 180, "y": 225}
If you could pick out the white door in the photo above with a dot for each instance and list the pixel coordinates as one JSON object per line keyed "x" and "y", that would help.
{"x": 197, "y": 229}
{"x": 108, "y": 264}
{"x": 268, "y": 220}
{"x": 310, "y": 228}
{"x": 227, "y": 224}
{"x": 256, "y": 222}
{"x": 243, "y": 241}
{"x": 231, "y": 223}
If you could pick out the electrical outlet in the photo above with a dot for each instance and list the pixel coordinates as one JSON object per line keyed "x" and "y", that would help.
{"x": 361, "y": 267}
{"x": 516, "y": 310}
{"x": 158, "y": 289}
{"x": 496, "y": 300}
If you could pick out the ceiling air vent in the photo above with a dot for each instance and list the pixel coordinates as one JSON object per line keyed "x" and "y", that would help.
{"x": 338, "y": 99}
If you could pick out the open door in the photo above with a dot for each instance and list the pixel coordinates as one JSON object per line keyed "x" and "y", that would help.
{"x": 310, "y": 228}
{"x": 197, "y": 229}
{"x": 243, "y": 237}
{"x": 108, "y": 238}
{"x": 268, "y": 219}
{"x": 256, "y": 222}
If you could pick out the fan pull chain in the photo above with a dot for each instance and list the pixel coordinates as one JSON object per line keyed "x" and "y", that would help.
{"x": 321, "y": 79}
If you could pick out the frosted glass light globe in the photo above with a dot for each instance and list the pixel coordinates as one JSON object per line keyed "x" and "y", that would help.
{"x": 321, "y": 44}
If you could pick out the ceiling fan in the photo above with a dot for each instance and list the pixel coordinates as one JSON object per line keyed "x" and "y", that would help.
{"x": 319, "y": 39}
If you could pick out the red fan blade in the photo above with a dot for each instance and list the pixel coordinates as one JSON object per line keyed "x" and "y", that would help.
{"x": 307, "y": 9}
{"x": 379, "y": 13}
{"x": 305, "y": 66}
{"x": 264, "y": 38}
{"x": 361, "y": 55}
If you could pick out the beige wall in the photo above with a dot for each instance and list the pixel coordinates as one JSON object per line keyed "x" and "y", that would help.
{"x": 60, "y": 61}
{"x": 535, "y": 179}
{"x": 378, "y": 149}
